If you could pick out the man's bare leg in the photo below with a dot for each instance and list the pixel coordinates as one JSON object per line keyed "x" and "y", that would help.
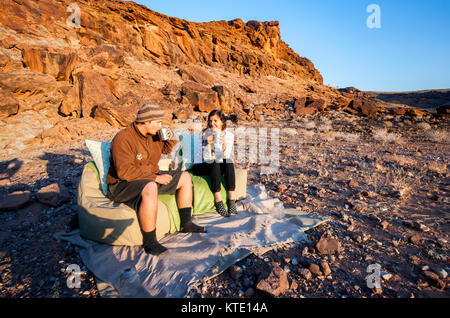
{"x": 148, "y": 212}
{"x": 184, "y": 202}
{"x": 148, "y": 209}
{"x": 184, "y": 191}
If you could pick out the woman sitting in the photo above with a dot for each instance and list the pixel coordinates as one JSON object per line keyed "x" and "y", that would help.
{"x": 217, "y": 151}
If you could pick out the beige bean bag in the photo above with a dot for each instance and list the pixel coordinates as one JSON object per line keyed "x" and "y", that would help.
{"x": 104, "y": 221}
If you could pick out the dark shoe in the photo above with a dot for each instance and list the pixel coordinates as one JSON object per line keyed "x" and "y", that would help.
{"x": 232, "y": 208}
{"x": 220, "y": 208}
{"x": 192, "y": 228}
{"x": 151, "y": 245}
{"x": 155, "y": 249}
{"x": 74, "y": 223}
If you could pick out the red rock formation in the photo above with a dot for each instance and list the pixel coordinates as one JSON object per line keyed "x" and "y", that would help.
{"x": 124, "y": 54}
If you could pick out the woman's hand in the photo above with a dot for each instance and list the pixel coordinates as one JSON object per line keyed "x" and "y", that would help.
{"x": 163, "y": 179}
{"x": 210, "y": 139}
{"x": 170, "y": 133}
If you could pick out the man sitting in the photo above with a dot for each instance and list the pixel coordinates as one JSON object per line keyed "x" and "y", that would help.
{"x": 134, "y": 177}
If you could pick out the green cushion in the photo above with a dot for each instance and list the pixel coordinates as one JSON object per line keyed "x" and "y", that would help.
{"x": 203, "y": 196}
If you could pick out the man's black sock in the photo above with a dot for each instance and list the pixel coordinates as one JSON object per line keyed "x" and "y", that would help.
{"x": 186, "y": 224}
{"x": 151, "y": 244}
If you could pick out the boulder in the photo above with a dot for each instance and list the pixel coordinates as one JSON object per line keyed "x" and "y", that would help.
{"x": 25, "y": 81}
{"x": 365, "y": 107}
{"x": 90, "y": 90}
{"x": 15, "y": 200}
{"x": 226, "y": 98}
{"x": 204, "y": 101}
{"x": 319, "y": 104}
{"x": 328, "y": 245}
{"x": 53, "y": 194}
{"x": 184, "y": 110}
{"x": 276, "y": 283}
{"x": 8, "y": 104}
{"x": 196, "y": 74}
{"x": 308, "y": 106}
{"x": 57, "y": 63}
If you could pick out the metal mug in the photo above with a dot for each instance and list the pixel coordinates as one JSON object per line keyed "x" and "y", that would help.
{"x": 163, "y": 134}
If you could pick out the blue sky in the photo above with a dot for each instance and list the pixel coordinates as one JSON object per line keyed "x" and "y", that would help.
{"x": 411, "y": 50}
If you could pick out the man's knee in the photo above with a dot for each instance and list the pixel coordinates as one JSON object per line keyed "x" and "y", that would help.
{"x": 150, "y": 191}
{"x": 185, "y": 180}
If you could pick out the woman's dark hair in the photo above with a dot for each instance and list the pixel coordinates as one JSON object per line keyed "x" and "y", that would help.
{"x": 221, "y": 115}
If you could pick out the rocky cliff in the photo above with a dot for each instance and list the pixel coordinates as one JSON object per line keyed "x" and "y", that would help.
{"x": 122, "y": 54}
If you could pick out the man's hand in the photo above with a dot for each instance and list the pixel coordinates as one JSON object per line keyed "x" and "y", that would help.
{"x": 164, "y": 179}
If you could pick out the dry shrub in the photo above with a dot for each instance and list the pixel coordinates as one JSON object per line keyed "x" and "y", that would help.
{"x": 437, "y": 167}
{"x": 424, "y": 126}
{"x": 330, "y": 136}
{"x": 309, "y": 125}
{"x": 402, "y": 181}
{"x": 439, "y": 135}
{"x": 384, "y": 136}
{"x": 401, "y": 160}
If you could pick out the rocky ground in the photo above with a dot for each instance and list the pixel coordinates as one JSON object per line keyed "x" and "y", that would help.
{"x": 383, "y": 184}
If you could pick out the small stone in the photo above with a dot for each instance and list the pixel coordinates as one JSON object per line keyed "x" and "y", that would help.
{"x": 328, "y": 245}
{"x": 305, "y": 273}
{"x": 325, "y": 268}
{"x": 415, "y": 239}
{"x": 294, "y": 285}
{"x": 353, "y": 184}
{"x": 315, "y": 269}
{"x": 235, "y": 272}
{"x": 294, "y": 262}
{"x": 384, "y": 225}
{"x": 433, "y": 280}
{"x": 281, "y": 188}
{"x": 414, "y": 259}
{"x": 386, "y": 276}
{"x": 305, "y": 251}
{"x": 249, "y": 292}
{"x": 440, "y": 272}
{"x": 420, "y": 227}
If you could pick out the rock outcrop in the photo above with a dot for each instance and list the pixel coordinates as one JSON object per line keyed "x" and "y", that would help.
{"x": 123, "y": 48}
{"x": 122, "y": 54}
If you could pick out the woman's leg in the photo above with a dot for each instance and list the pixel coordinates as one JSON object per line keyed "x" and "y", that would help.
{"x": 213, "y": 171}
{"x": 227, "y": 168}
